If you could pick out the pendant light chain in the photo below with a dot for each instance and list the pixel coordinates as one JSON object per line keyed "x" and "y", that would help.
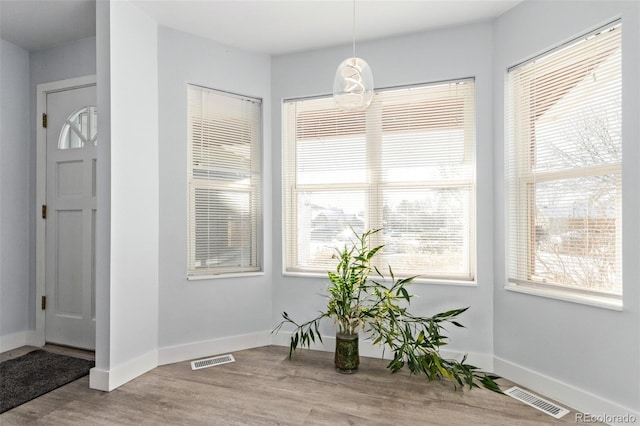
{"x": 354, "y": 28}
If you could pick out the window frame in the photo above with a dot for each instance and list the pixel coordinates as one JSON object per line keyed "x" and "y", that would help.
{"x": 524, "y": 180}
{"x": 254, "y": 189}
{"x": 373, "y": 190}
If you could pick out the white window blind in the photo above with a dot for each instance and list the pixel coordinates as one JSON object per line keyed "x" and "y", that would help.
{"x": 224, "y": 178}
{"x": 563, "y": 167}
{"x": 405, "y": 165}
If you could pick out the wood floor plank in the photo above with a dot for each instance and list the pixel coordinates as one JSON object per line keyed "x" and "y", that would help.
{"x": 263, "y": 387}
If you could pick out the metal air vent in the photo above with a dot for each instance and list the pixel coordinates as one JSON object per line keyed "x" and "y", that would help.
{"x": 536, "y": 402}
{"x": 211, "y": 362}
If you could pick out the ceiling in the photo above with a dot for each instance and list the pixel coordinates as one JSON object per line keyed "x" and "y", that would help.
{"x": 267, "y": 26}
{"x": 40, "y": 24}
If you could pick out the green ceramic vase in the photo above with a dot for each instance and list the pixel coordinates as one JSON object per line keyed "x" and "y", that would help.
{"x": 347, "y": 357}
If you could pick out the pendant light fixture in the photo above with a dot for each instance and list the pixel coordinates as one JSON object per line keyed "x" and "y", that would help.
{"x": 353, "y": 82}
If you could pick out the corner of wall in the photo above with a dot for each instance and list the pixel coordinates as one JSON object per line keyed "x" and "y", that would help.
{"x": 108, "y": 380}
{"x": 16, "y": 340}
{"x": 179, "y": 353}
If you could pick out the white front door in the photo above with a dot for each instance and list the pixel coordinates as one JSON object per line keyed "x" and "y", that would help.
{"x": 71, "y": 142}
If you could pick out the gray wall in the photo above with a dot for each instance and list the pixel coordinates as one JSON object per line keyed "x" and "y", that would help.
{"x": 205, "y": 310}
{"x": 590, "y": 348}
{"x": 421, "y": 58}
{"x": 14, "y": 189}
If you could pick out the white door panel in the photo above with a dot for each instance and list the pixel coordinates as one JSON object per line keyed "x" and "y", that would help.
{"x": 70, "y": 223}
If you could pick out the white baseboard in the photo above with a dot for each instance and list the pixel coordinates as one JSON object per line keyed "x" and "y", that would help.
{"x": 482, "y": 361}
{"x": 23, "y": 338}
{"x": 99, "y": 379}
{"x": 598, "y": 408}
{"x": 179, "y": 353}
{"x": 109, "y": 380}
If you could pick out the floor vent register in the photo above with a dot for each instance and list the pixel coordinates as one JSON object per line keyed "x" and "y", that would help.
{"x": 536, "y": 402}
{"x": 212, "y": 362}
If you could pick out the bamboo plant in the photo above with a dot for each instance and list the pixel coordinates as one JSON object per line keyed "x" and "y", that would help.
{"x": 358, "y": 303}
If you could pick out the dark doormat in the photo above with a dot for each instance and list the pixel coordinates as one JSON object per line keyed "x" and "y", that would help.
{"x": 36, "y": 373}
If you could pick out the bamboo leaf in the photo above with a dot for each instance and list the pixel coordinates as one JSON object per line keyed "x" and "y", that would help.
{"x": 405, "y": 294}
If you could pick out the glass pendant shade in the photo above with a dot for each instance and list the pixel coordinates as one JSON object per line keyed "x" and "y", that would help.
{"x": 353, "y": 85}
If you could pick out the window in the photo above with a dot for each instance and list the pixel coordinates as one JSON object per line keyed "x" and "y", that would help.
{"x": 405, "y": 165}
{"x": 224, "y": 178}
{"x": 80, "y": 129}
{"x": 564, "y": 169}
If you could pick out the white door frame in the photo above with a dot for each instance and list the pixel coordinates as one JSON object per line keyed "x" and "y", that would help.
{"x": 41, "y": 186}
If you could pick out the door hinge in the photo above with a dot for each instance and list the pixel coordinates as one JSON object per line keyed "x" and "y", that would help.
{"x": 44, "y": 120}
{"x": 44, "y": 211}
{"x": 43, "y": 303}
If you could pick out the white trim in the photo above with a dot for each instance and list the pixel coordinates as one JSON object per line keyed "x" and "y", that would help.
{"x": 189, "y": 351}
{"x": 16, "y": 340}
{"x": 226, "y": 275}
{"x": 99, "y": 379}
{"x": 418, "y": 280}
{"x": 426, "y": 281}
{"x": 568, "y": 296}
{"x": 108, "y": 380}
{"x": 41, "y": 184}
{"x": 367, "y": 349}
{"x": 564, "y": 393}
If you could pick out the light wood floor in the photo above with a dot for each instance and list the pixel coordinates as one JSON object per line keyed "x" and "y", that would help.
{"x": 264, "y": 388}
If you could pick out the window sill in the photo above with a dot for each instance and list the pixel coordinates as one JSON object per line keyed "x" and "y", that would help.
{"x": 567, "y": 296}
{"x": 442, "y": 281}
{"x": 225, "y": 275}
{"x": 427, "y": 281}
